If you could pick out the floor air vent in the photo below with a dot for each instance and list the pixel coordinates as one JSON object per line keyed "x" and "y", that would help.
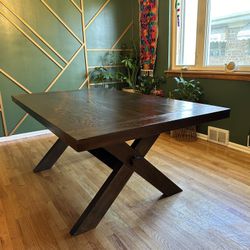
{"x": 217, "y": 135}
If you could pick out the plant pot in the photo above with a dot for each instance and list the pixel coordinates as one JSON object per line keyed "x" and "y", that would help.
{"x": 158, "y": 92}
{"x": 129, "y": 90}
{"x": 184, "y": 134}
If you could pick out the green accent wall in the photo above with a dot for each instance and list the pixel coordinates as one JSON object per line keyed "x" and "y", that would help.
{"x": 29, "y": 66}
{"x": 232, "y": 94}
{"x": 32, "y": 68}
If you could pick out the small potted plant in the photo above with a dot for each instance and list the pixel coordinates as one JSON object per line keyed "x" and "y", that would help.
{"x": 186, "y": 90}
{"x": 129, "y": 74}
{"x": 101, "y": 75}
{"x": 150, "y": 85}
{"x": 132, "y": 67}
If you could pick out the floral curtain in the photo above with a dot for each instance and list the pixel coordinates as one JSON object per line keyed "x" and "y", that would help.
{"x": 149, "y": 33}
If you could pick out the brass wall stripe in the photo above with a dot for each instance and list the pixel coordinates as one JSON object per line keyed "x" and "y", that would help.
{"x": 15, "y": 81}
{"x": 97, "y": 14}
{"x": 68, "y": 63}
{"x": 76, "y": 5}
{"x": 122, "y": 35}
{"x": 59, "y": 75}
{"x": 19, "y": 124}
{"x": 83, "y": 84}
{"x": 85, "y": 40}
{"x": 5, "y": 130}
{"x": 61, "y": 21}
{"x": 34, "y": 32}
{"x": 34, "y": 42}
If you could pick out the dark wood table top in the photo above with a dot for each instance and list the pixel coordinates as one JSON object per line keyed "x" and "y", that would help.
{"x": 92, "y": 118}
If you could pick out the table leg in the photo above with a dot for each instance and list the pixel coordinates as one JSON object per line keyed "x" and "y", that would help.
{"x": 103, "y": 200}
{"x": 51, "y": 157}
{"x": 124, "y": 160}
{"x": 156, "y": 178}
{"x": 144, "y": 168}
{"x": 107, "y": 158}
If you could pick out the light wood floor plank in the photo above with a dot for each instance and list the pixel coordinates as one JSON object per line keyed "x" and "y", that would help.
{"x": 213, "y": 212}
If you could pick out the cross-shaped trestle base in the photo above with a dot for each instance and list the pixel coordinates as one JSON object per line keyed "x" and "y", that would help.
{"x": 124, "y": 160}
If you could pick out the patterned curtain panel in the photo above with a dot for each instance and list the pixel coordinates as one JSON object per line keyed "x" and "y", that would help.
{"x": 149, "y": 33}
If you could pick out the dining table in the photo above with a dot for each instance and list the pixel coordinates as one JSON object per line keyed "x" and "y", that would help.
{"x": 102, "y": 121}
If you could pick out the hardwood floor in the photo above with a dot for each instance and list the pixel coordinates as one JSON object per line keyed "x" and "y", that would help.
{"x": 213, "y": 212}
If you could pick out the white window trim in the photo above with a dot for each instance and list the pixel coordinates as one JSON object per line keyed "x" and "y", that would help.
{"x": 200, "y": 44}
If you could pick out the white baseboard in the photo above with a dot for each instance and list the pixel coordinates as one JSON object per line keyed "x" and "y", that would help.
{"x": 24, "y": 135}
{"x": 233, "y": 145}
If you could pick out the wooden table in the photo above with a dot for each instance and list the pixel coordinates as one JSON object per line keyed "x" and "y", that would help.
{"x": 100, "y": 121}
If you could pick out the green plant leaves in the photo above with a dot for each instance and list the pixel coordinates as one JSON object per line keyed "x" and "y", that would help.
{"x": 187, "y": 90}
{"x": 146, "y": 84}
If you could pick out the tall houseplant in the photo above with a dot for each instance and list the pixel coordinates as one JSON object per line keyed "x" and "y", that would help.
{"x": 127, "y": 75}
{"x": 132, "y": 69}
{"x": 131, "y": 63}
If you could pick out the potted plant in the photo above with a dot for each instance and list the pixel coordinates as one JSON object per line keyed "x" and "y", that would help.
{"x": 101, "y": 75}
{"x": 129, "y": 74}
{"x": 150, "y": 85}
{"x": 187, "y": 90}
{"x": 104, "y": 75}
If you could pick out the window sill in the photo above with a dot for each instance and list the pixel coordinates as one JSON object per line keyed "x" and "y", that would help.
{"x": 222, "y": 75}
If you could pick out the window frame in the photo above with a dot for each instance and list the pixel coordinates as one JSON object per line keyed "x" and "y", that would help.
{"x": 201, "y": 42}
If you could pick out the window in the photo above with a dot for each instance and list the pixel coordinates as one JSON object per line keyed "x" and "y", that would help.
{"x": 207, "y": 34}
{"x": 248, "y": 50}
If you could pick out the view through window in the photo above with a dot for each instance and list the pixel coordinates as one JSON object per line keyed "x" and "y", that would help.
{"x": 224, "y": 31}
{"x": 186, "y": 32}
{"x": 229, "y": 32}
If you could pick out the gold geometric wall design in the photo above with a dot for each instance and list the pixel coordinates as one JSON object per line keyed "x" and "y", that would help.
{"x": 2, "y": 116}
{"x": 63, "y": 67}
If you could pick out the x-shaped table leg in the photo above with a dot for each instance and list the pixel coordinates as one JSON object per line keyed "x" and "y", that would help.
{"x": 51, "y": 157}
{"x": 124, "y": 160}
